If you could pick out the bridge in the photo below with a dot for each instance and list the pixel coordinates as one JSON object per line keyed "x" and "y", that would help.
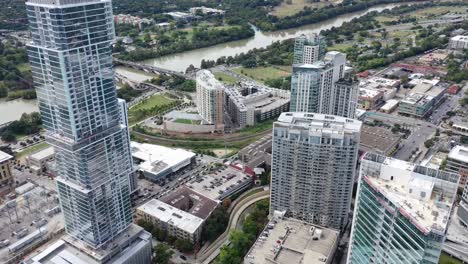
{"x": 148, "y": 68}
{"x": 140, "y": 86}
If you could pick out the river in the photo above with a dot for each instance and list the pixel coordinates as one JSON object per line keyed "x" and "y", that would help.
{"x": 180, "y": 61}
{"x": 12, "y": 110}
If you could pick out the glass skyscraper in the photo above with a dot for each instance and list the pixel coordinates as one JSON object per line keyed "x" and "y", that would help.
{"x": 71, "y": 60}
{"x": 402, "y": 211}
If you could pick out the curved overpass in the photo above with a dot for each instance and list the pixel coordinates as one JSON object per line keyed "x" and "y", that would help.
{"x": 213, "y": 249}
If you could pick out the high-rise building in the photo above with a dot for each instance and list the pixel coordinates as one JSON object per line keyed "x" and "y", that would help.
{"x": 457, "y": 162}
{"x": 71, "y": 62}
{"x": 401, "y": 212}
{"x": 309, "y": 49}
{"x": 313, "y": 165}
{"x": 321, "y": 87}
{"x": 210, "y": 98}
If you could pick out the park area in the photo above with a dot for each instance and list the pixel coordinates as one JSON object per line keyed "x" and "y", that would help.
{"x": 150, "y": 106}
{"x": 225, "y": 78}
{"x": 264, "y": 73}
{"x": 291, "y": 7}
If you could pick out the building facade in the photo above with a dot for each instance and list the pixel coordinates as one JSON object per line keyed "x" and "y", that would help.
{"x": 321, "y": 87}
{"x": 71, "y": 62}
{"x": 401, "y": 212}
{"x": 210, "y": 98}
{"x": 309, "y": 49}
{"x": 458, "y": 42}
{"x": 457, "y": 162}
{"x": 313, "y": 166}
{"x": 6, "y": 178}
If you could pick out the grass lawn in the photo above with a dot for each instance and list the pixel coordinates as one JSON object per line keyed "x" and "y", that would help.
{"x": 183, "y": 121}
{"x": 226, "y": 78}
{"x": 296, "y": 6}
{"x": 24, "y": 67}
{"x": 340, "y": 47}
{"x": 384, "y": 19}
{"x": 32, "y": 149}
{"x": 446, "y": 259}
{"x": 155, "y": 100}
{"x": 432, "y": 11}
{"x": 258, "y": 128}
{"x": 262, "y": 73}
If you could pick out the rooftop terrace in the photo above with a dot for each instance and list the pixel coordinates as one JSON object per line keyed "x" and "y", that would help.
{"x": 290, "y": 241}
{"x": 423, "y": 195}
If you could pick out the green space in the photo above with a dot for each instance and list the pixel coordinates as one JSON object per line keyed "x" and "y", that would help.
{"x": 343, "y": 47}
{"x": 29, "y": 150}
{"x": 446, "y": 259}
{"x": 258, "y": 128}
{"x": 291, "y": 7}
{"x": 226, "y": 78}
{"x": 432, "y": 11}
{"x": 262, "y": 73}
{"x": 24, "y": 67}
{"x": 155, "y": 100}
{"x": 183, "y": 121}
{"x": 156, "y": 104}
{"x": 383, "y": 19}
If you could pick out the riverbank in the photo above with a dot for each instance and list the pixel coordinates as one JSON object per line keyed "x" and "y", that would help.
{"x": 180, "y": 61}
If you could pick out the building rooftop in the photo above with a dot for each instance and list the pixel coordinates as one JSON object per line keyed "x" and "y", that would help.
{"x": 319, "y": 123}
{"x": 377, "y": 139}
{"x": 214, "y": 185}
{"x": 192, "y": 202}
{"x": 290, "y": 241}
{"x": 459, "y": 153}
{"x": 208, "y": 80}
{"x": 5, "y": 156}
{"x": 155, "y": 158}
{"x": 423, "y": 195}
{"x": 43, "y": 154}
{"x": 167, "y": 213}
{"x": 71, "y": 251}
{"x": 369, "y": 93}
{"x": 460, "y": 38}
{"x": 389, "y": 105}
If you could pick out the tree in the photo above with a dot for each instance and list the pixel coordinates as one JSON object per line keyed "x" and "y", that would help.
{"x": 8, "y": 136}
{"x": 3, "y": 90}
{"x": 216, "y": 224}
{"x": 162, "y": 254}
{"x": 183, "y": 245}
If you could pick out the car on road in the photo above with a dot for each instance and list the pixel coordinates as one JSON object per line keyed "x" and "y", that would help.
{"x": 183, "y": 257}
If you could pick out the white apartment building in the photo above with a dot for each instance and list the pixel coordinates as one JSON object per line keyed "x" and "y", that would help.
{"x": 210, "y": 98}
{"x": 313, "y": 166}
{"x": 458, "y": 42}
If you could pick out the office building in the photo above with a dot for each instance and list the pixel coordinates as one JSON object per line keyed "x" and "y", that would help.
{"x": 6, "y": 178}
{"x": 210, "y": 99}
{"x": 290, "y": 241}
{"x": 457, "y": 162}
{"x": 315, "y": 88}
{"x": 309, "y": 49}
{"x": 458, "y": 42}
{"x": 422, "y": 100}
{"x": 71, "y": 62}
{"x": 402, "y": 211}
{"x": 38, "y": 161}
{"x": 313, "y": 163}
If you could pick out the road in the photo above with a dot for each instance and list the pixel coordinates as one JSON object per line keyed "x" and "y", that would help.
{"x": 226, "y": 139}
{"x": 420, "y": 132}
{"x": 212, "y": 251}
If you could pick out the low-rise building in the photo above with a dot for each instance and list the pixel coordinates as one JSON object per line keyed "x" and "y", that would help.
{"x": 181, "y": 16}
{"x": 37, "y": 161}
{"x": 6, "y": 177}
{"x": 181, "y": 214}
{"x": 459, "y": 42}
{"x": 422, "y": 100}
{"x": 390, "y": 106}
{"x": 457, "y": 162}
{"x": 257, "y": 153}
{"x": 378, "y": 140}
{"x": 206, "y": 11}
{"x": 157, "y": 163}
{"x": 132, "y": 20}
{"x": 134, "y": 245}
{"x": 369, "y": 98}
{"x": 220, "y": 185}
{"x": 290, "y": 241}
